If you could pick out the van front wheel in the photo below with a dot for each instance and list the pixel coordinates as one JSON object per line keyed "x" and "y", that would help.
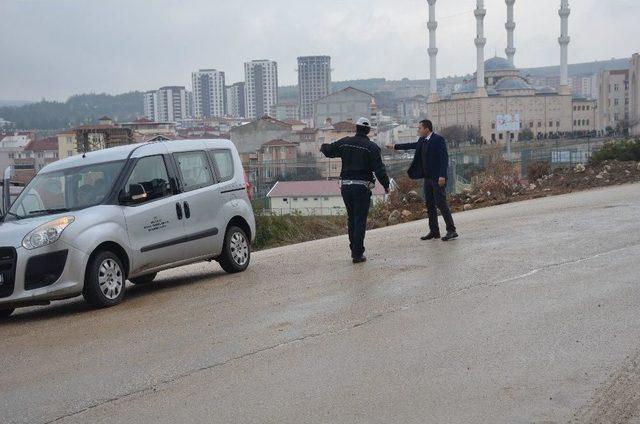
{"x": 236, "y": 252}
{"x": 105, "y": 280}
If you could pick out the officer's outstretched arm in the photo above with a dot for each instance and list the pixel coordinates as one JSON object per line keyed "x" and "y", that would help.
{"x": 331, "y": 150}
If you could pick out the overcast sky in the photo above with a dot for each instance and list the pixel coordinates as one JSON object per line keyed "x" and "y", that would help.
{"x": 56, "y": 48}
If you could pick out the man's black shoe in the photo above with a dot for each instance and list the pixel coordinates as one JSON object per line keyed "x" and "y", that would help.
{"x": 450, "y": 236}
{"x": 430, "y": 236}
{"x": 359, "y": 260}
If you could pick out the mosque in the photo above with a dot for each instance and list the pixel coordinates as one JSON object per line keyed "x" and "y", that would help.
{"x": 499, "y": 88}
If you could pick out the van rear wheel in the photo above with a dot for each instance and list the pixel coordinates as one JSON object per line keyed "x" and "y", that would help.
{"x": 104, "y": 284}
{"x": 144, "y": 279}
{"x": 6, "y": 313}
{"x": 236, "y": 252}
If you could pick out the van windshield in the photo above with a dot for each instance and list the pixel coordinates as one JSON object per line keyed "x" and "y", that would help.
{"x": 65, "y": 190}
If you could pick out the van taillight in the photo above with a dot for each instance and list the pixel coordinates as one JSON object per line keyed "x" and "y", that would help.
{"x": 247, "y": 186}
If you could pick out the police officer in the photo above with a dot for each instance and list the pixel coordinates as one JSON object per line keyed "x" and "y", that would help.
{"x": 361, "y": 159}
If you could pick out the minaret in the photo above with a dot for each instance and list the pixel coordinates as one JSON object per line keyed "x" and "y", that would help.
{"x": 564, "y": 47}
{"x": 510, "y": 26}
{"x": 433, "y": 52}
{"x": 480, "y": 13}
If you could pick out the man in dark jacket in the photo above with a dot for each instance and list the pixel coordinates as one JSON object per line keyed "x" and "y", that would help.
{"x": 431, "y": 162}
{"x": 361, "y": 159}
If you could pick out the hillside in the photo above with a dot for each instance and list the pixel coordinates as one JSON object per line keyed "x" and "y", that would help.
{"x": 77, "y": 110}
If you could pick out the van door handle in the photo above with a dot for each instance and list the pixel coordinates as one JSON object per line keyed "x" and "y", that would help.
{"x": 179, "y": 211}
{"x": 187, "y": 211}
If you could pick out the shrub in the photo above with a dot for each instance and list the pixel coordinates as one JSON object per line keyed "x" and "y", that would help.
{"x": 623, "y": 150}
{"x": 537, "y": 170}
{"x": 500, "y": 180}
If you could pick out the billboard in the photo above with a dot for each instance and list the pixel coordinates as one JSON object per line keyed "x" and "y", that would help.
{"x": 508, "y": 122}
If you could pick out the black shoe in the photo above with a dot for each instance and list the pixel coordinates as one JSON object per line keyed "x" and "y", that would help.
{"x": 430, "y": 236}
{"x": 359, "y": 260}
{"x": 450, "y": 236}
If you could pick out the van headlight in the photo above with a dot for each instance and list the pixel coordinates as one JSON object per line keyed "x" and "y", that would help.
{"x": 46, "y": 234}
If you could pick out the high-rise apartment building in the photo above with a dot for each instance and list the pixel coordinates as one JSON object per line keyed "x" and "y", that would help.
{"x": 314, "y": 82}
{"x": 209, "y": 94}
{"x": 261, "y": 87}
{"x": 168, "y": 104}
{"x": 236, "y": 105}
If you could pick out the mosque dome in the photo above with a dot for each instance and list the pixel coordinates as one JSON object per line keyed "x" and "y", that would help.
{"x": 513, "y": 84}
{"x": 498, "y": 64}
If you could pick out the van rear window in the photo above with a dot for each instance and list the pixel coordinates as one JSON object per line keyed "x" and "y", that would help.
{"x": 224, "y": 162}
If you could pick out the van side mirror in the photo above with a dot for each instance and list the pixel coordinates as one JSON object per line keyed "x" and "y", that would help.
{"x": 137, "y": 192}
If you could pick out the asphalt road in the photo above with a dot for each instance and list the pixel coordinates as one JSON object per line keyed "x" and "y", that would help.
{"x": 533, "y": 315}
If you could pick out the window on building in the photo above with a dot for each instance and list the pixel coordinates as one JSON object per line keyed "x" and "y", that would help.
{"x": 493, "y": 126}
{"x": 69, "y": 153}
{"x": 539, "y": 124}
{"x": 305, "y": 199}
{"x": 550, "y": 123}
{"x": 500, "y": 136}
{"x": 531, "y": 124}
{"x": 575, "y": 122}
{"x": 284, "y": 199}
{"x": 326, "y": 199}
{"x": 616, "y": 102}
{"x": 587, "y": 122}
{"x": 557, "y": 124}
{"x": 616, "y": 87}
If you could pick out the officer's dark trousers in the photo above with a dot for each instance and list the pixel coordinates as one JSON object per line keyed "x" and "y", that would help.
{"x": 436, "y": 197}
{"x": 357, "y": 199}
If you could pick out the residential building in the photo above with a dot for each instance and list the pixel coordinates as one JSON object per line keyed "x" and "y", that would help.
{"x": 11, "y": 145}
{"x": 348, "y": 104}
{"x": 285, "y": 111}
{"x": 250, "y": 137}
{"x": 634, "y": 95}
{"x": 314, "y": 82}
{"x": 320, "y": 197}
{"x": 102, "y": 136}
{"x": 35, "y": 156}
{"x": 236, "y": 104}
{"x": 278, "y": 160}
{"x": 209, "y": 93}
{"x": 67, "y": 144}
{"x": 261, "y": 87}
{"x": 171, "y": 104}
{"x": 147, "y": 126}
{"x": 149, "y": 104}
{"x": 613, "y": 100}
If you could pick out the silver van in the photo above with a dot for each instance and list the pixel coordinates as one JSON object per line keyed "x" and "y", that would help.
{"x": 86, "y": 224}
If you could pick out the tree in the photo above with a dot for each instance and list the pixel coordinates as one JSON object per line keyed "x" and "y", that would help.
{"x": 454, "y": 134}
{"x": 526, "y": 134}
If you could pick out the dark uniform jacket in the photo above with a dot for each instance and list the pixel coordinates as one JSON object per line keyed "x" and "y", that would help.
{"x": 361, "y": 159}
{"x": 431, "y": 159}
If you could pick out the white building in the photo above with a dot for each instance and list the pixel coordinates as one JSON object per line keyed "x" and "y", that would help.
{"x": 236, "y": 105}
{"x": 261, "y": 87}
{"x": 209, "y": 93}
{"x": 314, "y": 82}
{"x": 348, "y": 104}
{"x": 321, "y": 197}
{"x": 168, "y": 104}
{"x": 613, "y": 100}
{"x": 634, "y": 95}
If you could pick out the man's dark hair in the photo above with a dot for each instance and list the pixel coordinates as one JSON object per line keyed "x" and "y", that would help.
{"x": 362, "y": 130}
{"x": 427, "y": 124}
